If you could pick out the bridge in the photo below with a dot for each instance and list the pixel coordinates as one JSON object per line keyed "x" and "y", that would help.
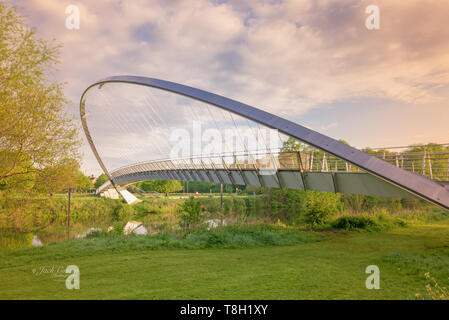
{"x": 139, "y": 129}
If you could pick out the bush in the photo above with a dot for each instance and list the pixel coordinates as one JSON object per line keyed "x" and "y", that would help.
{"x": 118, "y": 228}
{"x": 296, "y": 207}
{"x": 122, "y": 212}
{"x": 363, "y": 203}
{"x": 191, "y": 213}
{"x": 212, "y": 205}
{"x": 319, "y": 207}
{"x": 370, "y": 223}
{"x": 355, "y": 222}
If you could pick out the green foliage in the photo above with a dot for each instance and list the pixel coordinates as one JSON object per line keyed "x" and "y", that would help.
{"x": 31, "y": 214}
{"x": 207, "y": 187}
{"x": 254, "y": 190}
{"x": 117, "y": 228}
{"x": 239, "y": 236}
{"x": 161, "y": 186}
{"x": 191, "y": 213}
{"x": 13, "y": 239}
{"x": 122, "y": 212}
{"x": 84, "y": 183}
{"x": 293, "y": 145}
{"x": 355, "y": 222}
{"x": 211, "y": 205}
{"x": 319, "y": 207}
{"x": 418, "y": 163}
{"x": 102, "y": 178}
{"x": 357, "y": 203}
{"x": 59, "y": 177}
{"x": 35, "y": 132}
{"x": 297, "y": 207}
{"x": 369, "y": 223}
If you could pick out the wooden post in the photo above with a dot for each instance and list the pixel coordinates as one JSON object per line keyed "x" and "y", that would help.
{"x": 221, "y": 202}
{"x": 68, "y": 215}
{"x": 254, "y": 198}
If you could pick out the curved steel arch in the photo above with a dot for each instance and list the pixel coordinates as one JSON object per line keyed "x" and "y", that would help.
{"x": 416, "y": 184}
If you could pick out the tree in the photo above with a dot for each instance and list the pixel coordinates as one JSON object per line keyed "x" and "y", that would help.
{"x": 318, "y": 207}
{"x": 102, "y": 178}
{"x": 59, "y": 177}
{"x": 84, "y": 183}
{"x": 35, "y": 133}
{"x": 293, "y": 145}
{"x": 161, "y": 186}
{"x": 190, "y": 213}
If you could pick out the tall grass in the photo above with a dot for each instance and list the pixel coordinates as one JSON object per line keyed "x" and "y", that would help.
{"x": 223, "y": 237}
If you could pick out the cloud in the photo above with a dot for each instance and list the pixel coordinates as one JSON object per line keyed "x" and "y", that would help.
{"x": 328, "y": 126}
{"x": 286, "y": 57}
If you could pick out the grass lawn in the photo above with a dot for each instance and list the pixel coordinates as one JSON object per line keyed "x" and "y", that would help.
{"x": 332, "y": 268}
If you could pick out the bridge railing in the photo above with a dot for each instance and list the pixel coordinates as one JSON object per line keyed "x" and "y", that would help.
{"x": 432, "y": 165}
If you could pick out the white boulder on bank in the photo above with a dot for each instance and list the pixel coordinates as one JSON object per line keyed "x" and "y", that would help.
{"x": 140, "y": 230}
{"x": 36, "y": 242}
{"x": 135, "y": 227}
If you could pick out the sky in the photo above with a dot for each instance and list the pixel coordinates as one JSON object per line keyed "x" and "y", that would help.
{"x": 312, "y": 62}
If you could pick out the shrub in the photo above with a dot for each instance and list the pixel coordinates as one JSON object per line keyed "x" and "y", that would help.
{"x": 191, "y": 213}
{"x": 437, "y": 214}
{"x": 355, "y": 222}
{"x": 212, "y": 205}
{"x": 319, "y": 207}
{"x": 122, "y": 212}
{"x": 370, "y": 223}
{"x": 296, "y": 207}
{"x": 118, "y": 228}
{"x": 363, "y": 203}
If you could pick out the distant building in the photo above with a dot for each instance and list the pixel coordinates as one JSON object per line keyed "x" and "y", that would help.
{"x": 93, "y": 178}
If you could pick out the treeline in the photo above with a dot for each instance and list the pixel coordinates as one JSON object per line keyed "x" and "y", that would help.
{"x": 430, "y": 159}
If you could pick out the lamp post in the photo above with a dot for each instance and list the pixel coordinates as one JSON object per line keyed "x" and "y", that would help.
{"x": 221, "y": 202}
{"x": 68, "y": 215}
